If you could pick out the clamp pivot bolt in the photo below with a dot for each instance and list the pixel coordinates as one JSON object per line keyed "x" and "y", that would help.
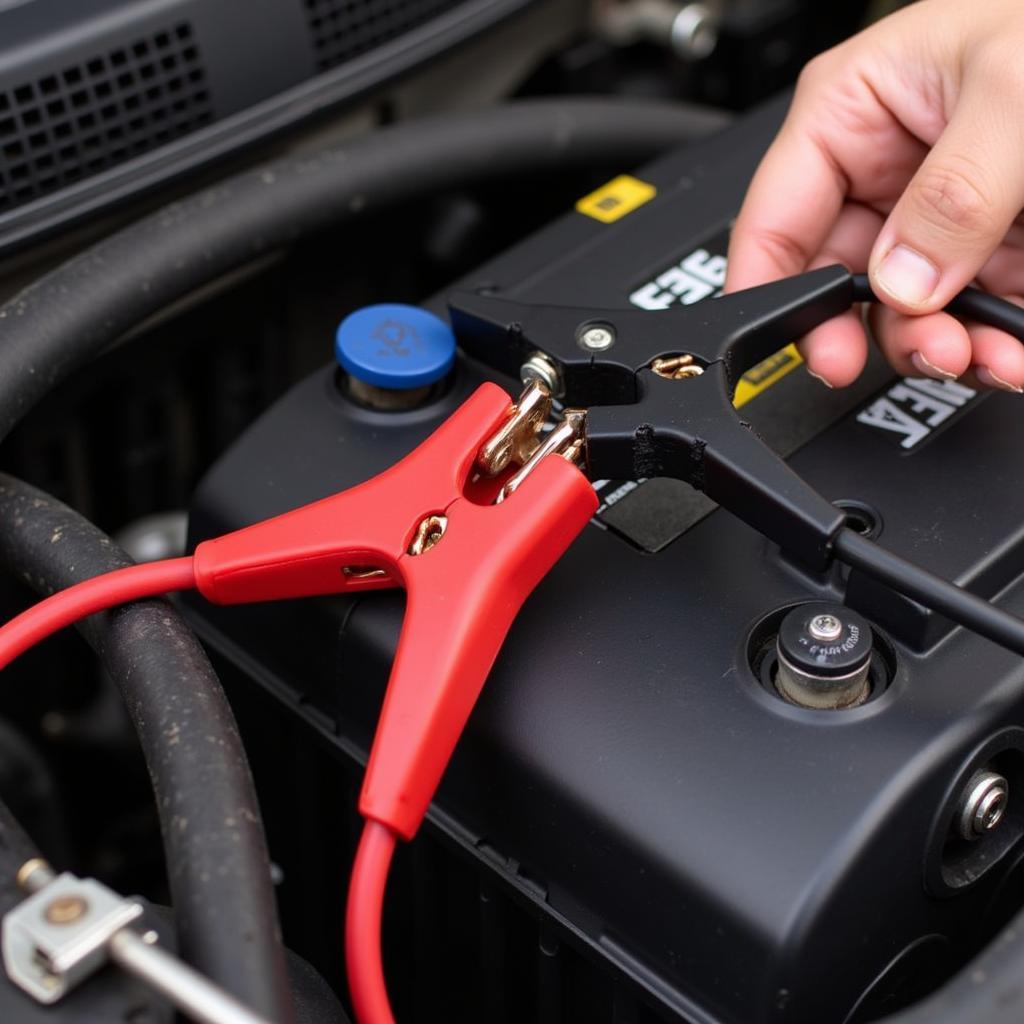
{"x": 598, "y": 337}
{"x": 538, "y": 367}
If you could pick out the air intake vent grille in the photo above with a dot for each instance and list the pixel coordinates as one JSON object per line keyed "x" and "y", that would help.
{"x": 345, "y": 28}
{"x": 66, "y": 126}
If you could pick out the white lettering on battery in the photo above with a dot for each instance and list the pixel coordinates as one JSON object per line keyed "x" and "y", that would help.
{"x": 950, "y": 391}
{"x": 915, "y": 407}
{"x": 697, "y": 276}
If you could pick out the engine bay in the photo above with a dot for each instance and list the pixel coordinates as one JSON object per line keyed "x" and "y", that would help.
{"x": 661, "y": 808}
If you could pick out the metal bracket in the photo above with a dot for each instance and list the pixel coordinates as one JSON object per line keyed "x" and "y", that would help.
{"x": 59, "y": 936}
{"x": 68, "y": 928}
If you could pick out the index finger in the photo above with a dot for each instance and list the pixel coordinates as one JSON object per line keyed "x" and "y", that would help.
{"x": 793, "y": 201}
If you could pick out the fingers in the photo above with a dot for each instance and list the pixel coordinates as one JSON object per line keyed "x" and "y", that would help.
{"x": 937, "y": 345}
{"x": 998, "y": 358}
{"x": 933, "y": 345}
{"x": 838, "y": 142}
{"x": 787, "y": 215}
{"x": 959, "y": 205}
{"x": 836, "y": 352}
{"x": 950, "y": 215}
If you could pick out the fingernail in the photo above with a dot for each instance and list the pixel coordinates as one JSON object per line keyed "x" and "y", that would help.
{"x": 988, "y": 378}
{"x": 907, "y": 275}
{"x": 927, "y": 369}
{"x": 818, "y": 376}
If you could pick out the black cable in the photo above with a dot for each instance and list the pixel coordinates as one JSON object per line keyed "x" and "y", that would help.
{"x": 75, "y": 311}
{"x": 971, "y": 304}
{"x": 930, "y": 590}
{"x": 215, "y": 850}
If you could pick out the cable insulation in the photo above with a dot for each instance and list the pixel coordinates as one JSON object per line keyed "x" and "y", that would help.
{"x": 363, "y": 919}
{"x": 930, "y": 590}
{"x": 90, "y": 596}
{"x": 970, "y": 304}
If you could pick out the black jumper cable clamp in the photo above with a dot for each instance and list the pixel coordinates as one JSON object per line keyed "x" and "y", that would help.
{"x": 654, "y": 390}
{"x": 658, "y": 394}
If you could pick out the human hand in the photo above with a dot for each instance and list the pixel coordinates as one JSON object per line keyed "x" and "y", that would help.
{"x": 903, "y": 156}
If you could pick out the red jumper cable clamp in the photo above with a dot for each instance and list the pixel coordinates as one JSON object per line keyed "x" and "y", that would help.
{"x": 431, "y": 525}
{"x": 468, "y": 523}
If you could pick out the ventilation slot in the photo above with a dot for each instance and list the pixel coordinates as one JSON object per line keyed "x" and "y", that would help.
{"x": 66, "y": 126}
{"x": 345, "y": 28}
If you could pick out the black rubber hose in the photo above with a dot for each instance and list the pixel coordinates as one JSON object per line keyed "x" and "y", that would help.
{"x": 217, "y": 863}
{"x": 930, "y": 590}
{"x": 15, "y": 849}
{"x": 75, "y": 311}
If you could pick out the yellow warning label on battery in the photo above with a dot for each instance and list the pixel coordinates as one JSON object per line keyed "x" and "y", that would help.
{"x": 615, "y": 199}
{"x": 761, "y": 377}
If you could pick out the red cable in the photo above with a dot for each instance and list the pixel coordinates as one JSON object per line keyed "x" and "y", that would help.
{"x": 90, "y": 596}
{"x": 377, "y": 845}
{"x": 363, "y": 925}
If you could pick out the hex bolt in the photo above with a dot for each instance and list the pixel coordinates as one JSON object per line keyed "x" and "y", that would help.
{"x": 539, "y": 367}
{"x": 982, "y": 805}
{"x": 66, "y": 909}
{"x": 825, "y": 628}
{"x": 597, "y": 338}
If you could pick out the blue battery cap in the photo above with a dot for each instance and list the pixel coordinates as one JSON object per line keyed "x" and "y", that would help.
{"x": 395, "y": 346}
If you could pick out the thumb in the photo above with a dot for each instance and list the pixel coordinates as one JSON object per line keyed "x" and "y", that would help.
{"x": 957, "y": 209}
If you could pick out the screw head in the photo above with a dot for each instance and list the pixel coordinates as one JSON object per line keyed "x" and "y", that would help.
{"x": 983, "y": 804}
{"x": 65, "y": 909}
{"x": 825, "y": 628}
{"x": 597, "y": 338}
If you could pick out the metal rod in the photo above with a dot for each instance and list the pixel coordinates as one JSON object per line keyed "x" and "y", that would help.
{"x": 194, "y": 995}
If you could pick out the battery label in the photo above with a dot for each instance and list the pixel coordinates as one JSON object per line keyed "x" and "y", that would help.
{"x": 612, "y": 201}
{"x": 912, "y": 409}
{"x": 765, "y": 374}
{"x": 700, "y": 275}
